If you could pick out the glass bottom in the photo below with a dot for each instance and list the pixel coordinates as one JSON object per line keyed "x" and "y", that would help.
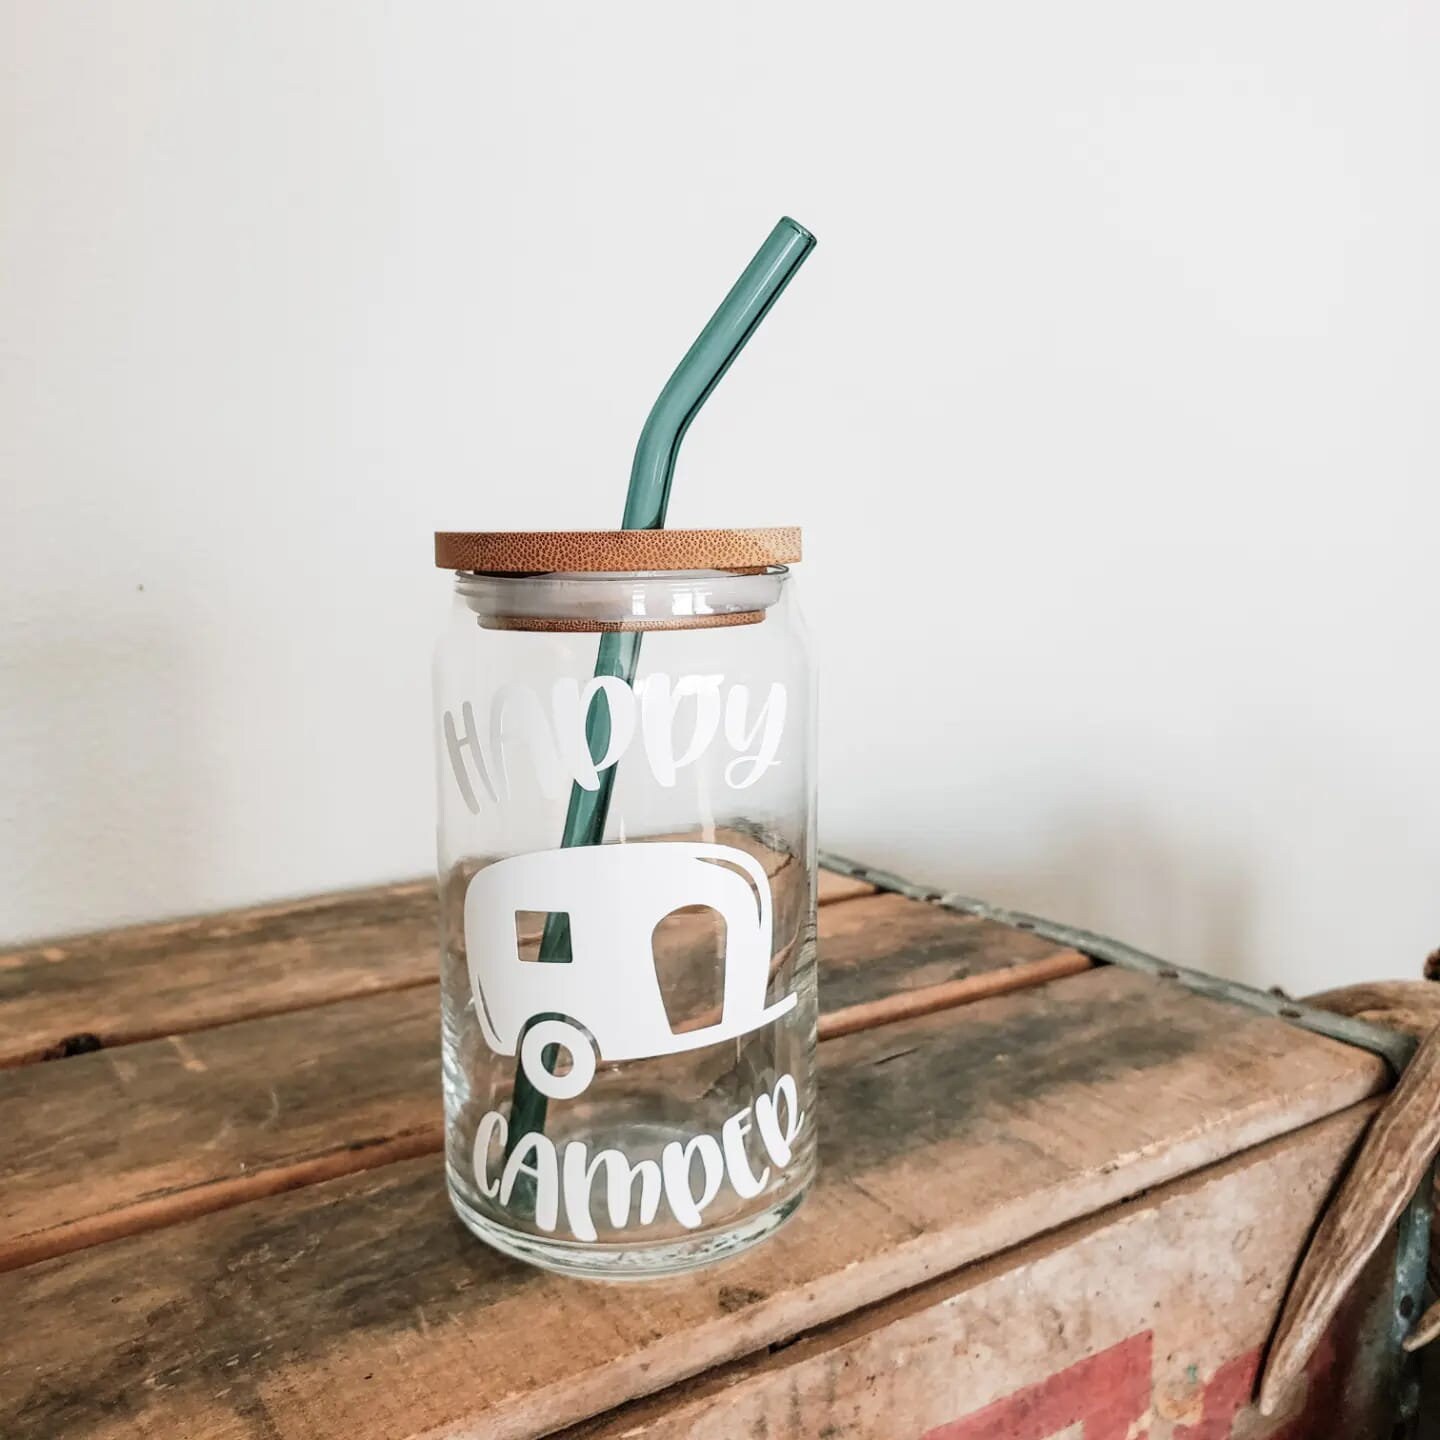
{"x": 627, "y": 1262}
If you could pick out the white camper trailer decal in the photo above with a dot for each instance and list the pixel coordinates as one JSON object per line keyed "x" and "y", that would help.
{"x": 609, "y": 992}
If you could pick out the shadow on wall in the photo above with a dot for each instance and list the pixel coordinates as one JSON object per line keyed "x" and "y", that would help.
{"x": 101, "y": 729}
{"x": 1185, "y": 904}
{"x": 1191, "y": 907}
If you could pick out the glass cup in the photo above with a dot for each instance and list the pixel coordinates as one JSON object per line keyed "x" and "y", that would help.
{"x": 627, "y": 880}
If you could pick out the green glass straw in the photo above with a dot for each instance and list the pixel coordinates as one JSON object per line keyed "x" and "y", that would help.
{"x": 646, "y": 500}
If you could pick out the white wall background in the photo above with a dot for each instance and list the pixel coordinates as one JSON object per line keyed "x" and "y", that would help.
{"x": 1108, "y": 403}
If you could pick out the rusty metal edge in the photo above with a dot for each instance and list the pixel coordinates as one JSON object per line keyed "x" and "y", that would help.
{"x": 1412, "y": 1257}
{"x": 1412, "y": 1248}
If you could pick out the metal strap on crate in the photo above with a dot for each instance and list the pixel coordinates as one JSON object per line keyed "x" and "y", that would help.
{"x": 1392, "y": 1047}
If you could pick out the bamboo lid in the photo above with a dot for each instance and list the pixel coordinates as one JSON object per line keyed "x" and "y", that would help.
{"x": 590, "y": 551}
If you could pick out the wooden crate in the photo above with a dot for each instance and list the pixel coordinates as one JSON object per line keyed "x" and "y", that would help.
{"x": 1058, "y": 1200}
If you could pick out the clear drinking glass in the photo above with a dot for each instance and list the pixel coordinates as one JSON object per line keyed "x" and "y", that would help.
{"x": 628, "y": 1027}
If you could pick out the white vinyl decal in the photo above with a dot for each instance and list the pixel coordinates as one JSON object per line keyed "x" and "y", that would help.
{"x": 609, "y": 992}
{"x": 564, "y": 1177}
{"x": 677, "y": 722}
{"x": 604, "y": 1003}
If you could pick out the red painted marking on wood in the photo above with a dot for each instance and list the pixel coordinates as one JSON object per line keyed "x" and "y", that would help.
{"x": 1109, "y": 1393}
{"x": 1227, "y": 1393}
{"x": 1232, "y": 1387}
{"x": 1104, "y": 1394}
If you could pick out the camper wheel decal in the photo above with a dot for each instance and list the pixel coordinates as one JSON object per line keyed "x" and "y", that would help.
{"x": 575, "y": 1042}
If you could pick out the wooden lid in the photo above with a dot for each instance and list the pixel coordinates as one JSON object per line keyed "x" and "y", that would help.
{"x": 580, "y": 551}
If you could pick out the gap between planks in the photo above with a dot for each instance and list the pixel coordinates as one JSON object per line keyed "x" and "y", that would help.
{"x": 908, "y": 1004}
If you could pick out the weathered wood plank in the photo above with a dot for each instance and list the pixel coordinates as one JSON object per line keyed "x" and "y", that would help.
{"x": 150, "y": 1134}
{"x": 360, "y": 1308}
{"x": 920, "y": 946}
{"x": 69, "y": 997}
{"x": 167, "y": 1129}
{"x": 906, "y": 1004}
{"x": 1152, "y": 1314}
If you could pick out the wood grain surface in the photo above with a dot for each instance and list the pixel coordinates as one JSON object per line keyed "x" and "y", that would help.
{"x": 68, "y": 997}
{"x": 358, "y": 1307}
{"x": 64, "y": 998}
{"x": 166, "y": 1129}
{"x": 1156, "y": 1311}
{"x": 588, "y": 551}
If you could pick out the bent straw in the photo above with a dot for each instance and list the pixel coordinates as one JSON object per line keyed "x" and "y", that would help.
{"x": 646, "y": 501}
